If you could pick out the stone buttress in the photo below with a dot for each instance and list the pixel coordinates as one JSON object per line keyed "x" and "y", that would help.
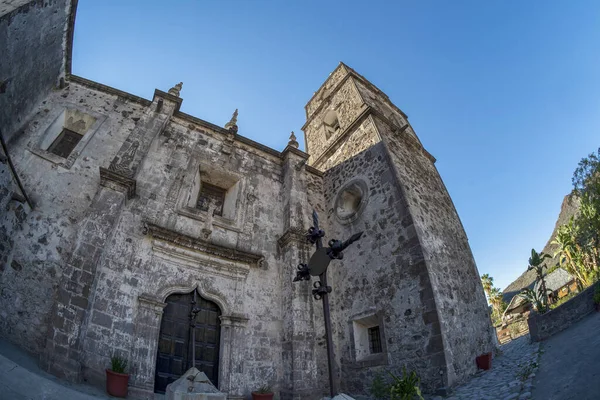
{"x": 299, "y": 357}
{"x": 62, "y": 355}
{"x": 409, "y": 294}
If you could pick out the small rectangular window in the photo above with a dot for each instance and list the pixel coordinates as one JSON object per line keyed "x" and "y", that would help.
{"x": 64, "y": 144}
{"x": 374, "y": 340}
{"x": 211, "y": 194}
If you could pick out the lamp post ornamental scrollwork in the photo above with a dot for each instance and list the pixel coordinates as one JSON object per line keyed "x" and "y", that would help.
{"x": 317, "y": 266}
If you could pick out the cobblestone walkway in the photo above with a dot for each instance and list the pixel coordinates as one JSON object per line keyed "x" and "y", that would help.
{"x": 510, "y": 377}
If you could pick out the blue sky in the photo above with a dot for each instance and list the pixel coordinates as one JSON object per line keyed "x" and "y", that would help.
{"x": 505, "y": 94}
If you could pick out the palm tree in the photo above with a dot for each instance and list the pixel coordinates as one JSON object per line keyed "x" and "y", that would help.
{"x": 496, "y": 299}
{"x": 536, "y": 263}
{"x": 488, "y": 283}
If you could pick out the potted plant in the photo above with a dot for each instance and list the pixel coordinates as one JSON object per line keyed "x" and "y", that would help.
{"x": 484, "y": 361}
{"x": 116, "y": 378}
{"x": 597, "y": 298}
{"x": 263, "y": 393}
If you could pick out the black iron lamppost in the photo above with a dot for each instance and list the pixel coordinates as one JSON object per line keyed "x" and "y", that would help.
{"x": 317, "y": 266}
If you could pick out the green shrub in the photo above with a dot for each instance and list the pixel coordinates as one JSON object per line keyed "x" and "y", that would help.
{"x": 118, "y": 364}
{"x": 400, "y": 388}
{"x": 405, "y": 388}
{"x": 380, "y": 389}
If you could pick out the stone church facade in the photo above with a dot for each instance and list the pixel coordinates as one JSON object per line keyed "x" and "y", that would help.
{"x": 122, "y": 216}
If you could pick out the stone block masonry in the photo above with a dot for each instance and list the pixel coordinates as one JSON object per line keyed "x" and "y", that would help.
{"x": 120, "y": 231}
{"x": 31, "y": 63}
{"x": 542, "y": 326}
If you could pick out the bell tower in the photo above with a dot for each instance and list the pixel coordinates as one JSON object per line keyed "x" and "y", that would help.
{"x": 412, "y": 285}
{"x": 340, "y": 118}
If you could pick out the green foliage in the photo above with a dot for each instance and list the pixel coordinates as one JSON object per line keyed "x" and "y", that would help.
{"x": 514, "y": 330}
{"x": 406, "y": 387}
{"x": 380, "y": 389}
{"x": 118, "y": 364}
{"x": 264, "y": 389}
{"x": 579, "y": 240}
{"x": 494, "y": 296}
{"x": 400, "y": 388}
{"x": 562, "y": 300}
{"x": 526, "y": 370}
{"x": 575, "y": 254}
{"x": 498, "y": 311}
{"x": 488, "y": 283}
{"x": 536, "y": 263}
{"x": 497, "y": 302}
{"x": 552, "y": 269}
{"x": 537, "y": 259}
{"x": 535, "y": 298}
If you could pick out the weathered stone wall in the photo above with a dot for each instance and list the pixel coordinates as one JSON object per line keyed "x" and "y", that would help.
{"x": 382, "y": 275}
{"x": 103, "y": 279}
{"x": 134, "y": 265}
{"x": 459, "y": 297}
{"x": 451, "y": 297}
{"x": 61, "y": 197}
{"x": 347, "y": 103}
{"x": 30, "y": 66}
{"x": 325, "y": 90}
{"x": 115, "y": 231}
{"x": 542, "y": 326}
{"x": 7, "y": 6}
{"x": 363, "y": 137}
{"x": 315, "y": 187}
{"x": 31, "y": 63}
{"x": 379, "y": 102}
{"x": 13, "y": 213}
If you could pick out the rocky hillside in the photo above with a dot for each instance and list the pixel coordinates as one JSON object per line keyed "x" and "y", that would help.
{"x": 567, "y": 210}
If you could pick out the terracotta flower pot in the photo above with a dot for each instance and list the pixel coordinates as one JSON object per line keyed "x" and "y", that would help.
{"x": 484, "y": 361}
{"x": 262, "y": 396}
{"x": 116, "y": 383}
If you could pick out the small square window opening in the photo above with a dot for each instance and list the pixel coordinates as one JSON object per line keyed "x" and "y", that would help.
{"x": 211, "y": 195}
{"x": 64, "y": 144}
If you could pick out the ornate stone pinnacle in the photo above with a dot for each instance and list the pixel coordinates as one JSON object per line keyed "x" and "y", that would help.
{"x": 232, "y": 124}
{"x": 293, "y": 141}
{"x": 176, "y": 89}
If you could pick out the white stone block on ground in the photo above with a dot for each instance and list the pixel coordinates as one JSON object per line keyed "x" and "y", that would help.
{"x": 340, "y": 396}
{"x": 194, "y": 385}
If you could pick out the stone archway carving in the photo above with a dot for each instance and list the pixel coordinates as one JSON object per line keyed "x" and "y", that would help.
{"x": 168, "y": 290}
{"x": 147, "y": 330}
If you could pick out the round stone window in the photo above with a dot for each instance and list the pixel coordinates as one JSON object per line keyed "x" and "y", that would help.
{"x": 350, "y": 201}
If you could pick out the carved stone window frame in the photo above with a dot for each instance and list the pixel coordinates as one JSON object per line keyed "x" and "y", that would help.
{"x": 357, "y": 186}
{"x": 364, "y": 321}
{"x": 233, "y": 207}
{"x": 51, "y": 132}
{"x": 331, "y": 124}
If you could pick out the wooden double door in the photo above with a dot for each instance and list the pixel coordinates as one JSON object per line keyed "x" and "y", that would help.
{"x": 190, "y": 327}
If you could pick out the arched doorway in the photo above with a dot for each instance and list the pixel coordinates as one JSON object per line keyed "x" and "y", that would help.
{"x": 190, "y": 329}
